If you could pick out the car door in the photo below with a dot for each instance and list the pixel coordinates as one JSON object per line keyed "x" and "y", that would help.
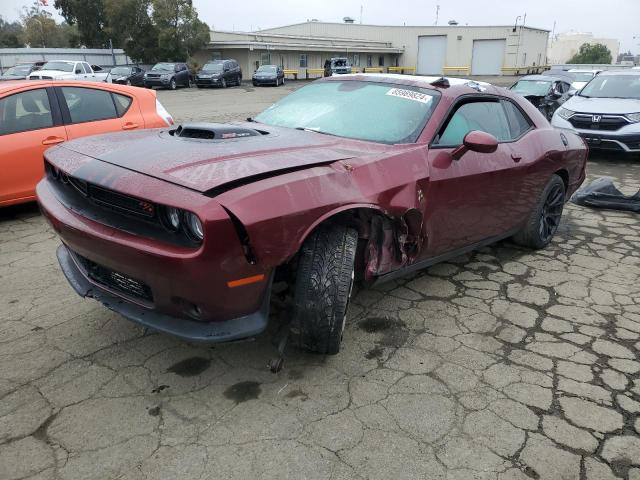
{"x": 88, "y": 71}
{"x": 90, "y": 111}
{"x": 30, "y": 122}
{"x": 470, "y": 200}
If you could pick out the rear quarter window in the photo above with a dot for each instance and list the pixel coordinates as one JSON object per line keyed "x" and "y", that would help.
{"x": 123, "y": 102}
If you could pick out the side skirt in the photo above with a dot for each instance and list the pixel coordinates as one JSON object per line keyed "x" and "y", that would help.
{"x": 428, "y": 262}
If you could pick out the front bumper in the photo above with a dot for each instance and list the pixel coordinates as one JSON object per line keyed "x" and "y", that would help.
{"x": 190, "y": 330}
{"x": 621, "y": 140}
{"x": 264, "y": 81}
{"x": 156, "y": 82}
{"x": 173, "y": 289}
{"x": 208, "y": 82}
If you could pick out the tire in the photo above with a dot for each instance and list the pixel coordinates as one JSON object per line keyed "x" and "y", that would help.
{"x": 224, "y": 83}
{"x": 172, "y": 84}
{"x": 189, "y": 83}
{"x": 324, "y": 282}
{"x": 282, "y": 81}
{"x": 544, "y": 219}
{"x": 128, "y": 83}
{"x": 239, "y": 81}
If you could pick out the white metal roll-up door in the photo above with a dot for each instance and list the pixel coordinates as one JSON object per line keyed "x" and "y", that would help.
{"x": 488, "y": 57}
{"x": 432, "y": 54}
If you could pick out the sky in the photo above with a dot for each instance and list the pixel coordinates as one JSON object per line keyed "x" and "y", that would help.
{"x": 619, "y": 19}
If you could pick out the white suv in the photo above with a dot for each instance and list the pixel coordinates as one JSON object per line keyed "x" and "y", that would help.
{"x": 606, "y": 112}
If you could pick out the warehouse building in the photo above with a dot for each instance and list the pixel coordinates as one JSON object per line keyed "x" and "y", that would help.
{"x": 428, "y": 50}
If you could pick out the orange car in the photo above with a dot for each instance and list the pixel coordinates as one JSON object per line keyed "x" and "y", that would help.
{"x": 37, "y": 114}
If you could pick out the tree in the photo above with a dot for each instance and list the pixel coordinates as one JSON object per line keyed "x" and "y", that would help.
{"x": 130, "y": 26}
{"x": 180, "y": 31}
{"x": 39, "y": 29}
{"x": 10, "y": 34}
{"x": 89, "y": 17}
{"x": 596, "y": 53}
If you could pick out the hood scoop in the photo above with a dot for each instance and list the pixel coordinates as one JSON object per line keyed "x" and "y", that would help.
{"x": 214, "y": 131}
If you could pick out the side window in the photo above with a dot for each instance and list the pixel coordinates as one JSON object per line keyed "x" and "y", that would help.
{"x": 25, "y": 111}
{"x": 483, "y": 115}
{"x": 88, "y": 104}
{"x": 518, "y": 122}
{"x": 87, "y": 68}
{"x": 122, "y": 103}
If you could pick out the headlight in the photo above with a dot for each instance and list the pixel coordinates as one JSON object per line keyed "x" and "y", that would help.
{"x": 172, "y": 218}
{"x": 565, "y": 113}
{"x": 633, "y": 117}
{"x": 194, "y": 226}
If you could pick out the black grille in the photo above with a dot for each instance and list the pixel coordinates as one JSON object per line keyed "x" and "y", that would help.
{"x": 605, "y": 123}
{"x": 115, "y": 280}
{"x": 121, "y": 202}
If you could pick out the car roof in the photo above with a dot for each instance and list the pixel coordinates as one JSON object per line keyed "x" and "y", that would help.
{"x": 65, "y": 61}
{"x": 620, "y": 72}
{"x": 584, "y": 70}
{"x": 9, "y": 85}
{"x": 457, "y": 86}
{"x": 547, "y": 77}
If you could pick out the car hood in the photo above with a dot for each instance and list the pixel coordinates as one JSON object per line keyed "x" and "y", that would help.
{"x": 204, "y": 165}
{"x": 603, "y": 105}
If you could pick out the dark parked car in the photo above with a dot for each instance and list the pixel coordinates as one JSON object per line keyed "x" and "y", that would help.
{"x": 268, "y": 75}
{"x": 546, "y": 92}
{"x": 337, "y": 66}
{"x": 185, "y": 229}
{"x": 129, "y": 75}
{"x": 219, "y": 73}
{"x": 168, "y": 75}
{"x": 21, "y": 71}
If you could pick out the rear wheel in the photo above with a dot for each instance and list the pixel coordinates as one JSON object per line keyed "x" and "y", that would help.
{"x": 324, "y": 282}
{"x": 544, "y": 219}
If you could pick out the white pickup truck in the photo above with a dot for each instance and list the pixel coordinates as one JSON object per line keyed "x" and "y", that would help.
{"x": 69, "y": 70}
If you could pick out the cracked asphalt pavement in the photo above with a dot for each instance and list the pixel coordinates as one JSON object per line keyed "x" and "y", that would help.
{"x": 503, "y": 364}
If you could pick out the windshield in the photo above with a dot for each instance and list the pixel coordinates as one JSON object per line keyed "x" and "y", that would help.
{"x": 538, "y": 88}
{"x": 166, "y": 67}
{"x": 582, "y": 76}
{"x": 121, "y": 71}
{"x": 212, "y": 67}
{"x": 340, "y": 62}
{"x": 267, "y": 69}
{"x": 379, "y": 112}
{"x": 59, "y": 66}
{"x": 19, "y": 71}
{"x": 613, "y": 86}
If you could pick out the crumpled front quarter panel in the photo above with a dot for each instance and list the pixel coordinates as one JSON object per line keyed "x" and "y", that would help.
{"x": 280, "y": 212}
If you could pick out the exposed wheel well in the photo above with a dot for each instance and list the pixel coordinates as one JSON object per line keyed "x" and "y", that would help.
{"x": 564, "y": 175}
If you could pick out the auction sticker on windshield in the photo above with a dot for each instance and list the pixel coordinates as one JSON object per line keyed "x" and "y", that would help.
{"x": 410, "y": 95}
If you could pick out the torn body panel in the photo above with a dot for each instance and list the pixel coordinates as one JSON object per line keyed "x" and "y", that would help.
{"x": 385, "y": 202}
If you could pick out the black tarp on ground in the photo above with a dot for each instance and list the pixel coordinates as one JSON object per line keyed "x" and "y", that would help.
{"x": 602, "y": 193}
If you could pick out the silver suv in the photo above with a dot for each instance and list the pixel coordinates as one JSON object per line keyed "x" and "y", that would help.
{"x": 606, "y": 112}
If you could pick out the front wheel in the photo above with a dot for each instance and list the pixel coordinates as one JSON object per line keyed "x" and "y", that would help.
{"x": 324, "y": 281}
{"x": 172, "y": 84}
{"x": 224, "y": 83}
{"x": 544, "y": 219}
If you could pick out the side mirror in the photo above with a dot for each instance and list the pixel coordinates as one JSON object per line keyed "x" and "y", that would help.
{"x": 78, "y": 70}
{"x": 572, "y": 92}
{"x": 476, "y": 141}
{"x": 555, "y": 91}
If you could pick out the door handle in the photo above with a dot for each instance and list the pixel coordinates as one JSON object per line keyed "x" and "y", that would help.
{"x": 515, "y": 157}
{"x": 129, "y": 126}
{"x": 52, "y": 140}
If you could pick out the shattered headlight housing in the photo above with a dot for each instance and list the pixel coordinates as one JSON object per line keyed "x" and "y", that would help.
{"x": 565, "y": 113}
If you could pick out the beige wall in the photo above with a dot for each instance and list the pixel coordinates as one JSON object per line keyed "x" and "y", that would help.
{"x": 532, "y": 42}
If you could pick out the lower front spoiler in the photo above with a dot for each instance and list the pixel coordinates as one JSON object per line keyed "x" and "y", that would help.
{"x": 190, "y": 330}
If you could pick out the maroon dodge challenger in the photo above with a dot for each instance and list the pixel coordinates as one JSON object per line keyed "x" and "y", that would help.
{"x": 350, "y": 178}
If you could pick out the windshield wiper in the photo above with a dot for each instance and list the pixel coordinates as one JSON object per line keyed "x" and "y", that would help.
{"x": 304, "y": 129}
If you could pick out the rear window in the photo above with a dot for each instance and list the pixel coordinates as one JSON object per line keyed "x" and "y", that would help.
{"x": 378, "y": 112}
{"x": 122, "y": 103}
{"x": 88, "y": 104}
